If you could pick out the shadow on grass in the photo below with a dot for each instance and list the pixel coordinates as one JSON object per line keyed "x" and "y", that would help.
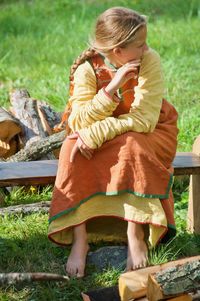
{"x": 37, "y": 254}
{"x": 33, "y": 254}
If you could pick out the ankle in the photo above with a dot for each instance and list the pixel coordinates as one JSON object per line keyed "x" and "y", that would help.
{"x": 135, "y": 231}
{"x": 80, "y": 233}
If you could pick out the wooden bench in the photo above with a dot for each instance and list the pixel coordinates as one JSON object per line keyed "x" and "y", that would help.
{"x": 44, "y": 173}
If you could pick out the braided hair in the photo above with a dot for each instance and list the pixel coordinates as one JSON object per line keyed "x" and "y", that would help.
{"x": 85, "y": 55}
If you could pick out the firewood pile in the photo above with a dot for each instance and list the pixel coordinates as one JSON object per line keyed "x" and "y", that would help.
{"x": 27, "y": 129}
{"x": 27, "y": 132}
{"x": 173, "y": 281}
{"x": 177, "y": 280}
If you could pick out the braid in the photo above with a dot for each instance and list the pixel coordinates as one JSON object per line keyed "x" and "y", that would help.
{"x": 85, "y": 55}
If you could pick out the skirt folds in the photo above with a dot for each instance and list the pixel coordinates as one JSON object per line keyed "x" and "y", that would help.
{"x": 128, "y": 179}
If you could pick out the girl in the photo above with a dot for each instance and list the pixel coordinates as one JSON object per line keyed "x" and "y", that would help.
{"x": 114, "y": 176}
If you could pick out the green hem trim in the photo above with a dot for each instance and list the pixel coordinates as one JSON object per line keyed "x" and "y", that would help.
{"x": 152, "y": 196}
{"x": 171, "y": 226}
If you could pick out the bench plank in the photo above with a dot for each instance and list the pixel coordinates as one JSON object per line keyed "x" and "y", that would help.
{"x": 28, "y": 173}
{"x": 44, "y": 172}
{"x": 186, "y": 164}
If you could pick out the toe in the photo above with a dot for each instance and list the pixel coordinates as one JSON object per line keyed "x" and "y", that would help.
{"x": 71, "y": 272}
{"x": 80, "y": 272}
{"x": 80, "y": 275}
{"x": 74, "y": 272}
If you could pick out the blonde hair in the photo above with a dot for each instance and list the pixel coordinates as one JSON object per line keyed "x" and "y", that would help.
{"x": 115, "y": 27}
{"x": 85, "y": 55}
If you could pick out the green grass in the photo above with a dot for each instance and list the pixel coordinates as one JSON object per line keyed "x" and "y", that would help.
{"x": 39, "y": 41}
{"x": 24, "y": 247}
{"x": 27, "y": 195}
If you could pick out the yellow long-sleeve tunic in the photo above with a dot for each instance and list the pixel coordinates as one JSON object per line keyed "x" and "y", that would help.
{"x": 92, "y": 112}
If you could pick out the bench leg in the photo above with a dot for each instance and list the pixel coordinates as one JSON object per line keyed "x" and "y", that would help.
{"x": 193, "y": 219}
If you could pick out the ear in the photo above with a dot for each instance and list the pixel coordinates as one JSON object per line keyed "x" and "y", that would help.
{"x": 117, "y": 51}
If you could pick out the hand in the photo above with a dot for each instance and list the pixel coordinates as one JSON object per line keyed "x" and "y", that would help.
{"x": 80, "y": 146}
{"x": 122, "y": 75}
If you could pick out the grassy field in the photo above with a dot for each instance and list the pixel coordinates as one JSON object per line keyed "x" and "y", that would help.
{"x": 39, "y": 40}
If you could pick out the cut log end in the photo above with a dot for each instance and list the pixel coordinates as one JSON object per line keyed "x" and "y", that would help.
{"x": 174, "y": 281}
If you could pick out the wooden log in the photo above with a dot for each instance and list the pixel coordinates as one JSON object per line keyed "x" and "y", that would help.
{"x": 44, "y": 122}
{"x": 24, "y": 106}
{"x": 9, "y": 125}
{"x": 9, "y": 128}
{"x": 14, "y": 147}
{"x": 17, "y": 278}
{"x": 26, "y": 110}
{"x": 25, "y": 209}
{"x": 38, "y": 149}
{"x": 48, "y": 116}
{"x": 174, "y": 281}
{"x": 133, "y": 284}
{"x": 38, "y": 118}
{"x": 50, "y": 120}
{"x": 4, "y": 148}
{"x": 193, "y": 220}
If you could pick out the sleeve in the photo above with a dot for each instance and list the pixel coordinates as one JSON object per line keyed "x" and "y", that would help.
{"x": 144, "y": 112}
{"x": 88, "y": 106}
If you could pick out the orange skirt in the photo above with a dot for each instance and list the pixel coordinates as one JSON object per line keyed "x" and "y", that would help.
{"x": 128, "y": 179}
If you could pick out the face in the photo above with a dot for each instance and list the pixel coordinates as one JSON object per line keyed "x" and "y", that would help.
{"x": 133, "y": 51}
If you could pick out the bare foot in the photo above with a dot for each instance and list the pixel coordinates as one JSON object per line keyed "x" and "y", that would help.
{"x": 137, "y": 247}
{"x": 138, "y": 250}
{"x": 75, "y": 266}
